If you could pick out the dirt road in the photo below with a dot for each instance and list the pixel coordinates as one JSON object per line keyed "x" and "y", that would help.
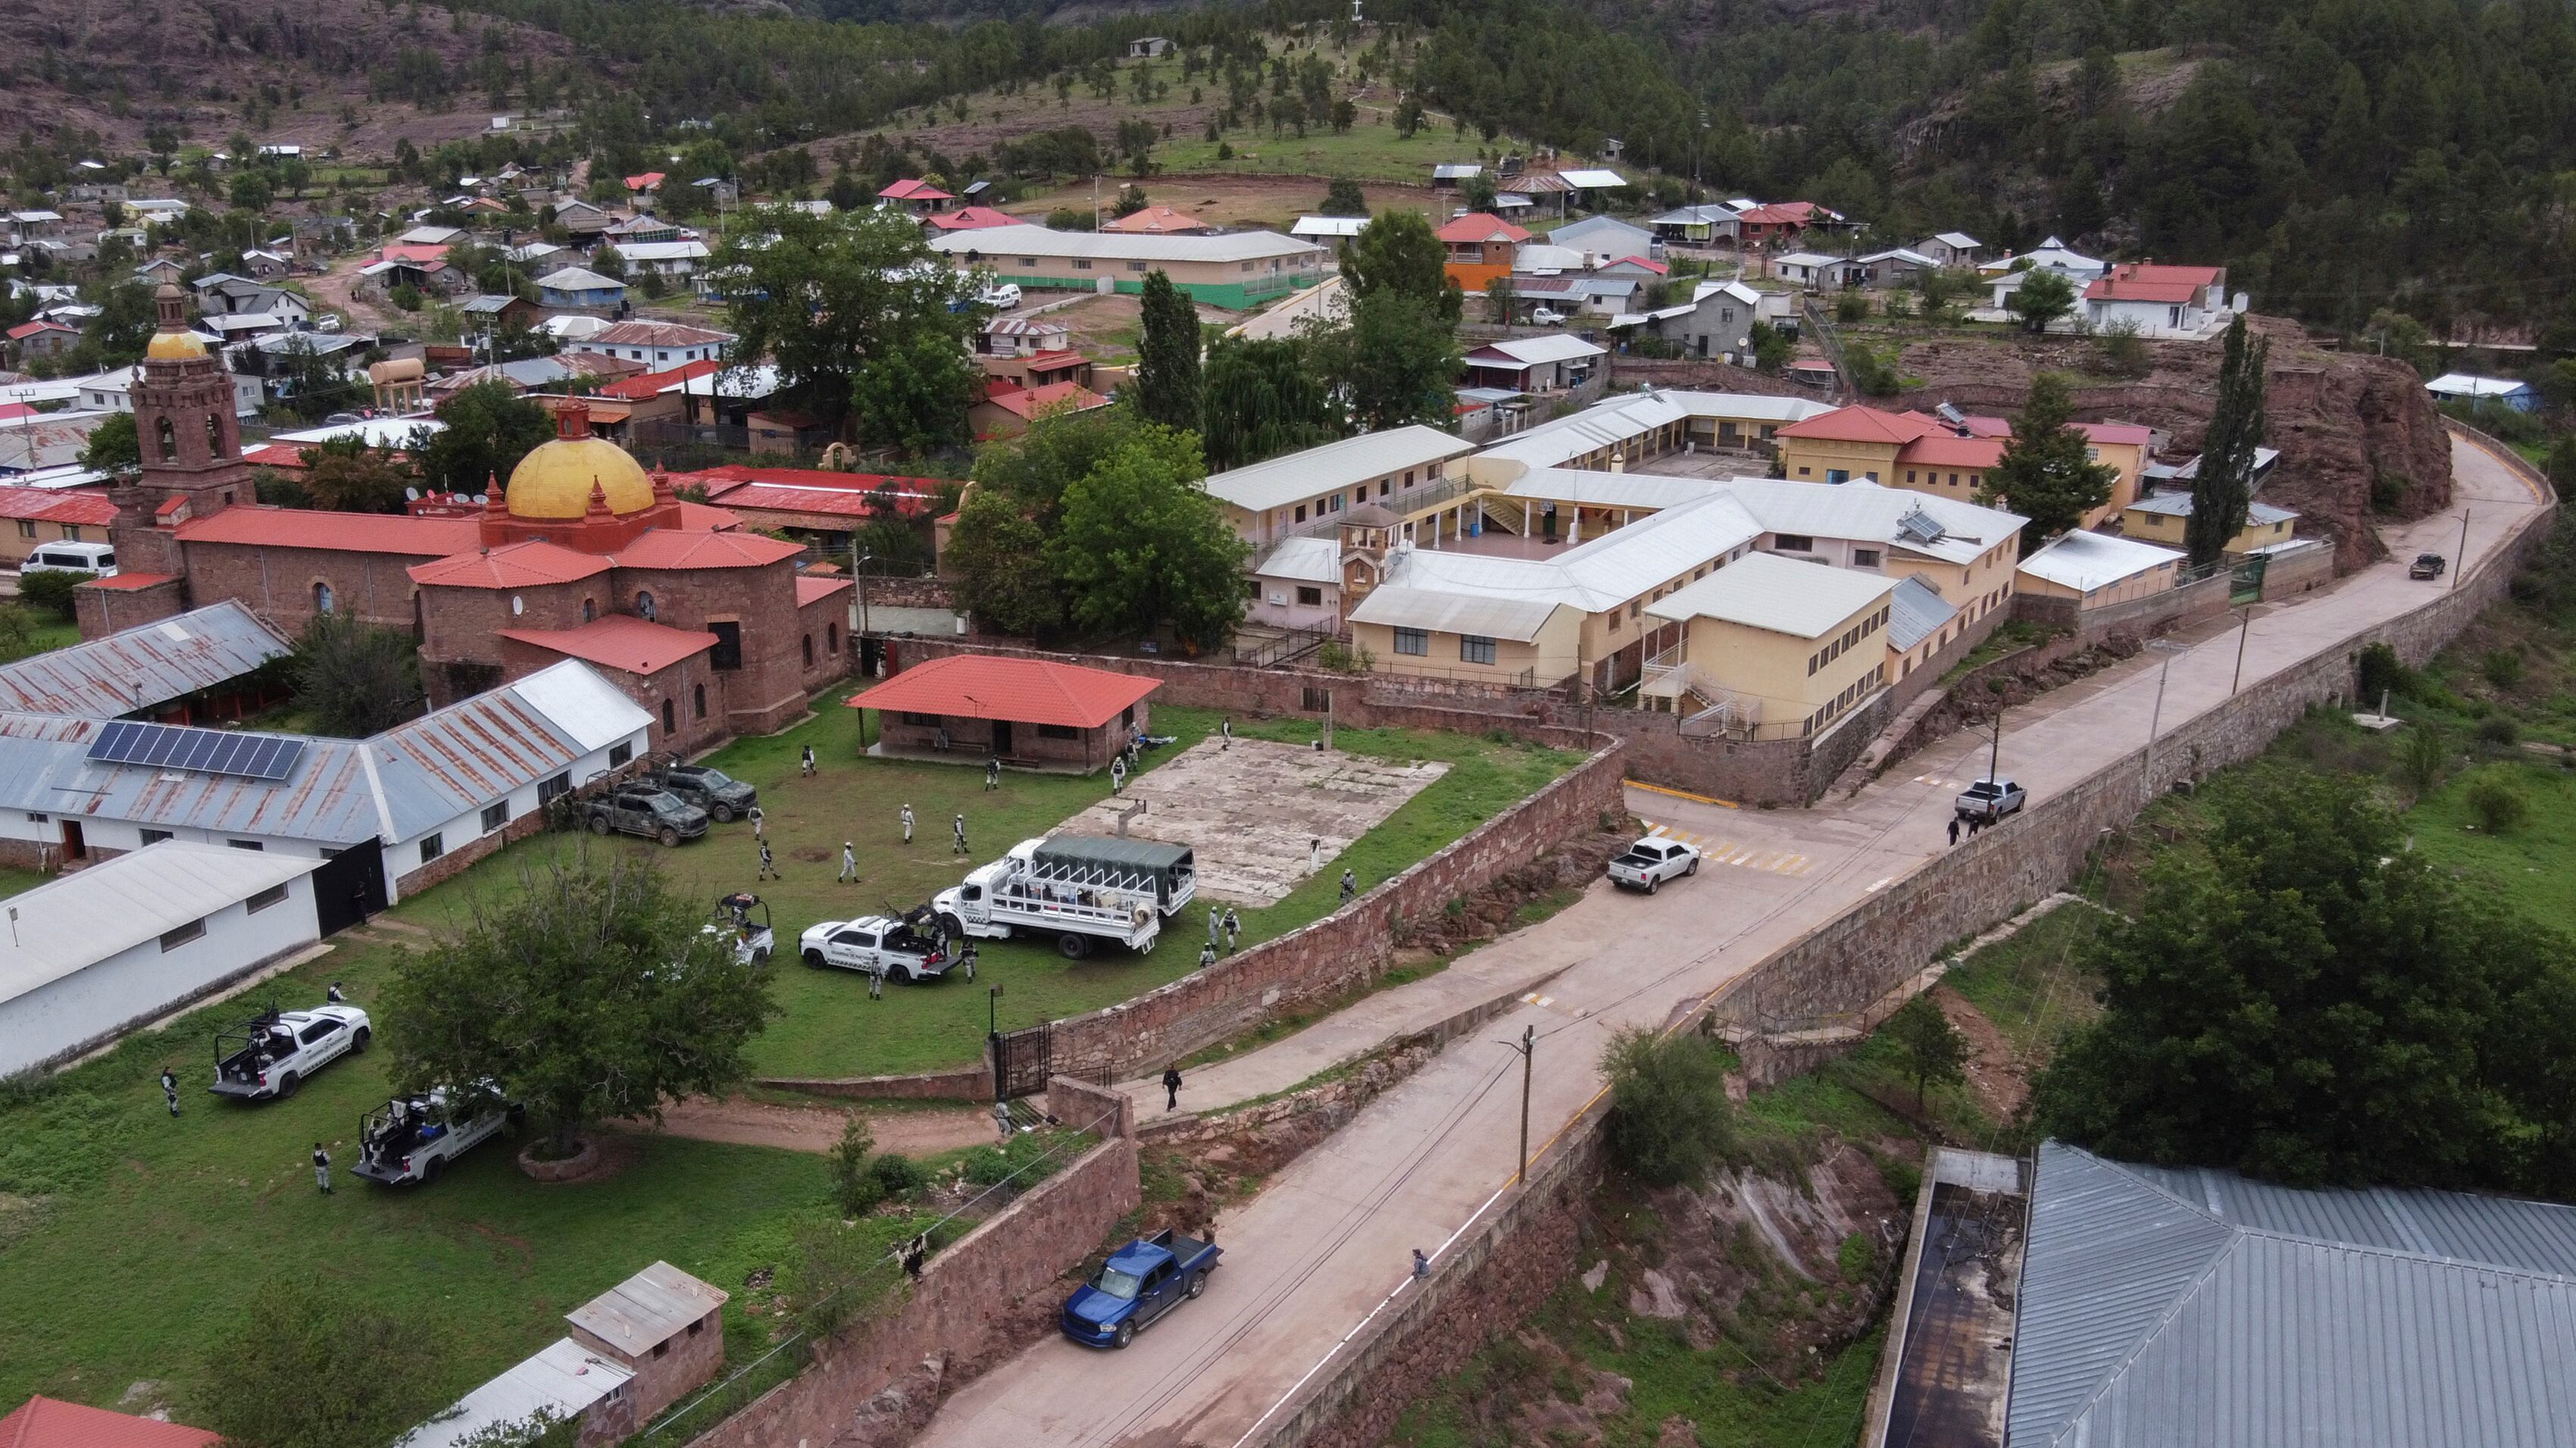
{"x": 817, "y": 1128}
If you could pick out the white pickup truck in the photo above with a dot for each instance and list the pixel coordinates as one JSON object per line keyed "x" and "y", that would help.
{"x": 269, "y": 1055}
{"x": 1077, "y": 888}
{"x": 413, "y": 1138}
{"x": 1648, "y": 863}
{"x": 877, "y": 945}
{"x": 1990, "y": 799}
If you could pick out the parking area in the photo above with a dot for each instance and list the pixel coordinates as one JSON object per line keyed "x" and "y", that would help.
{"x": 1255, "y": 810}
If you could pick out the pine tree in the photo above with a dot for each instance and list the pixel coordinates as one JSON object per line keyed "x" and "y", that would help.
{"x": 2223, "y": 489}
{"x": 2045, "y": 475}
{"x": 1167, "y": 369}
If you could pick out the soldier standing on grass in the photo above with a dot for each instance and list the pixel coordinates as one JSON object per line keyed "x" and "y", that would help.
{"x": 1207, "y": 955}
{"x": 759, "y": 826}
{"x": 1233, "y": 928}
{"x": 1350, "y": 885}
{"x": 907, "y": 824}
{"x": 768, "y": 866}
{"x": 876, "y": 983}
{"x": 805, "y": 766}
{"x": 1215, "y": 923}
{"x": 960, "y": 827}
{"x": 321, "y": 1169}
{"x": 170, "y": 1089}
{"x": 993, "y": 773}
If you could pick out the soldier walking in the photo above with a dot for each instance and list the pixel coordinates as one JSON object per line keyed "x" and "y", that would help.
{"x": 170, "y": 1089}
{"x": 768, "y": 865}
{"x": 907, "y": 824}
{"x": 1233, "y": 928}
{"x": 960, "y": 827}
{"x": 849, "y": 864}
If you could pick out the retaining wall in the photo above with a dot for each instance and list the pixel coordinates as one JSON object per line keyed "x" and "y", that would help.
{"x": 989, "y": 1295}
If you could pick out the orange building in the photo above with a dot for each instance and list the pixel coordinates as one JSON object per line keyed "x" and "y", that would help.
{"x": 1481, "y": 248}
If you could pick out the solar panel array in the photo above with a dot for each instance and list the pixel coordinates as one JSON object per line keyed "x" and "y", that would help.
{"x": 205, "y": 751}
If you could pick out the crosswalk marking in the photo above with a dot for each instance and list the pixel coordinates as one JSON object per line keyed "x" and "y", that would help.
{"x": 1768, "y": 860}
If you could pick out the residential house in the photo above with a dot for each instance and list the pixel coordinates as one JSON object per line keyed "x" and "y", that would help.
{"x": 1534, "y": 364}
{"x": 433, "y": 236}
{"x": 1806, "y": 268}
{"x": 664, "y": 258}
{"x": 1604, "y": 236}
{"x": 2095, "y": 570}
{"x": 645, "y": 186}
{"x": 582, "y": 219}
{"x": 33, "y": 442}
{"x": 1008, "y": 408}
{"x": 1581, "y": 183}
{"x": 1634, "y": 268}
{"x": 499, "y": 313}
{"x": 575, "y": 288}
{"x": 2165, "y": 518}
{"x": 1297, "y": 493}
{"x": 34, "y": 341}
{"x": 1448, "y": 175}
{"x": 112, "y": 391}
{"x": 30, "y": 518}
{"x": 1899, "y": 267}
{"x": 643, "y": 229}
{"x": 1235, "y": 270}
{"x": 1022, "y": 337}
{"x": 1157, "y": 221}
{"x": 970, "y": 218}
{"x": 659, "y": 345}
{"x": 1567, "y": 295}
{"x": 1328, "y": 229}
{"x": 2510, "y": 392}
{"x": 1722, "y": 317}
{"x": 155, "y": 210}
{"x": 1298, "y": 584}
{"x": 1953, "y": 250}
{"x": 1038, "y": 369}
{"x": 1481, "y": 247}
{"x": 160, "y": 269}
{"x": 2158, "y": 300}
{"x": 2004, "y": 274}
{"x": 1696, "y": 225}
{"x": 916, "y": 196}
{"x": 1784, "y": 648}
{"x": 540, "y": 254}
{"x": 1148, "y": 47}
{"x": 1772, "y": 225}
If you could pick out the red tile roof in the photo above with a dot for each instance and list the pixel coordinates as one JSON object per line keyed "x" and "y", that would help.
{"x": 1030, "y": 401}
{"x": 1050, "y": 360}
{"x": 56, "y": 507}
{"x": 972, "y": 218}
{"x": 339, "y": 532}
{"x": 2151, "y": 282}
{"x": 681, "y": 548}
{"x": 274, "y": 455}
{"x": 1949, "y": 450}
{"x": 410, "y": 251}
{"x": 832, "y": 502}
{"x": 51, "y": 1423}
{"x": 12, "y": 411}
{"x": 1649, "y": 263}
{"x": 1786, "y": 214}
{"x": 1860, "y": 424}
{"x": 619, "y": 641}
{"x": 649, "y": 385}
{"x": 705, "y": 518}
{"x": 810, "y": 589}
{"x": 645, "y": 181}
{"x": 2117, "y": 432}
{"x": 717, "y": 480}
{"x": 24, "y": 330}
{"x": 1480, "y": 226}
{"x": 1024, "y": 691}
{"x": 653, "y": 334}
{"x": 129, "y": 583}
{"x": 914, "y": 190}
{"x": 532, "y": 564}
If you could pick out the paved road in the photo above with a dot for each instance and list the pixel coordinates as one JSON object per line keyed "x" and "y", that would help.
{"x": 1327, "y": 1243}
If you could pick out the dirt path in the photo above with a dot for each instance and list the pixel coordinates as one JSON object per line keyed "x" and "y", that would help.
{"x": 2000, "y": 1077}
{"x": 336, "y": 289}
{"x": 816, "y": 1129}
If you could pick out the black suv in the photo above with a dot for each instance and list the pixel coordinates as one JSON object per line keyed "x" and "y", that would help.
{"x": 718, "y": 793}
{"x": 641, "y": 809}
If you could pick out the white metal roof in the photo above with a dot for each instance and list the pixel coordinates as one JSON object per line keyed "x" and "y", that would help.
{"x": 1595, "y": 489}
{"x": 1708, "y": 214}
{"x": 1805, "y": 258}
{"x": 577, "y": 279}
{"x": 2087, "y": 561}
{"x": 1517, "y": 619}
{"x": 1592, "y": 179}
{"x": 1781, "y": 595}
{"x": 1915, "y": 610}
{"x": 2179, "y": 505}
{"x": 997, "y": 241}
{"x": 565, "y": 1377}
{"x": 1539, "y": 259}
{"x": 1597, "y": 575}
{"x": 374, "y": 431}
{"x": 1958, "y": 240}
{"x": 2464, "y": 384}
{"x": 1749, "y": 296}
{"x": 75, "y": 921}
{"x": 1301, "y": 475}
{"x": 664, "y": 251}
{"x": 649, "y": 1308}
{"x": 1615, "y": 420}
{"x": 1935, "y": 527}
{"x": 1328, "y": 226}
{"x": 1533, "y": 351}
{"x": 592, "y": 712}
{"x": 1303, "y": 560}
{"x": 1904, "y": 254}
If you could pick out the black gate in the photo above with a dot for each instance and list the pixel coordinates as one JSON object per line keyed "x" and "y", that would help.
{"x": 349, "y": 887}
{"x": 1022, "y": 1061}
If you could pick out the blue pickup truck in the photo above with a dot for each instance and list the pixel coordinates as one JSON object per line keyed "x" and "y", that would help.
{"x": 1139, "y": 1283}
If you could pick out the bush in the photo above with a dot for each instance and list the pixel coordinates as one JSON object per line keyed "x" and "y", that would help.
{"x": 1858, "y": 1258}
{"x": 2382, "y": 674}
{"x": 854, "y": 1186}
{"x": 2499, "y": 730}
{"x": 898, "y": 1173}
{"x": 263, "y": 1389}
{"x": 49, "y": 589}
{"x": 1851, "y": 307}
{"x": 1669, "y": 1116}
{"x": 2503, "y": 668}
{"x": 2500, "y": 807}
{"x": 2388, "y": 490}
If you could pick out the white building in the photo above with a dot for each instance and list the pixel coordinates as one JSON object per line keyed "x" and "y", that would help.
{"x": 2158, "y": 300}
{"x": 100, "y": 951}
{"x": 1267, "y": 501}
{"x": 1534, "y": 364}
{"x": 664, "y": 258}
{"x": 663, "y": 345}
{"x": 113, "y": 391}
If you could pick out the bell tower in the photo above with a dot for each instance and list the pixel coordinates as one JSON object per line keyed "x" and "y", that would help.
{"x": 189, "y": 440}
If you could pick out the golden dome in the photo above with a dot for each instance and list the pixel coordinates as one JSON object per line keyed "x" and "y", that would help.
{"x": 554, "y": 481}
{"x": 175, "y": 346}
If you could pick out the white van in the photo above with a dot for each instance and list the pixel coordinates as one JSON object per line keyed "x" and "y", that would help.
{"x": 94, "y": 560}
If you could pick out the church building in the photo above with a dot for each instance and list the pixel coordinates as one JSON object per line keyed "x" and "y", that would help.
{"x": 583, "y": 555}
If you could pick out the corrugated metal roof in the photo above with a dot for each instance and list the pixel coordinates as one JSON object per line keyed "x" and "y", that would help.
{"x": 1861, "y": 510}
{"x": 1532, "y": 351}
{"x": 142, "y": 667}
{"x": 1301, "y": 475}
{"x": 76, "y": 920}
{"x": 1519, "y": 620}
{"x": 2196, "y": 1307}
{"x": 1609, "y": 490}
{"x": 2087, "y": 561}
{"x": 999, "y": 241}
{"x": 1304, "y": 560}
{"x": 1616, "y": 420}
{"x": 565, "y": 1377}
{"x": 1595, "y": 576}
{"x": 2179, "y": 505}
{"x": 1766, "y": 591}
{"x": 1916, "y": 611}
{"x": 647, "y": 1309}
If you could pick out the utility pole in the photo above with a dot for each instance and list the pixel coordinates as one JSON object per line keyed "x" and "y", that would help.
{"x": 2463, "y": 560}
{"x": 1995, "y": 757}
{"x": 1527, "y": 1045}
{"x": 2155, "y": 716}
{"x": 2246, "y": 628}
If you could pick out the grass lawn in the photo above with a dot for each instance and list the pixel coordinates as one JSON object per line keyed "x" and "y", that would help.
{"x": 2531, "y": 867}
{"x": 2027, "y": 985}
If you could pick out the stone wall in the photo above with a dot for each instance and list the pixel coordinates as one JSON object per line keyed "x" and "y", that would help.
{"x": 929, "y": 592}
{"x": 1704, "y": 375}
{"x": 961, "y": 1083}
{"x": 103, "y": 611}
{"x": 2297, "y": 571}
{"x": 1760, "y": 772}
{"x": 991, "y": 1294}
{"x": 2160, "y": 613}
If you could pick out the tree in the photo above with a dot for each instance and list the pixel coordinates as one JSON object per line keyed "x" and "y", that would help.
{"x": 488, "y": 430}
{"x": 2042, "y": 298}
{"x": 1478, "y": 192}
{"x": 251, "y": 191}
{"x": 386, "y": 1372}
{"x": 1141, "y": 544}
{"x": 1398, "y": 253}
{"x": 314, "y": 385}
{"x": 915, "y": 394}
{"x": 608, "y": 261}
{"x": 49, "y": 589}
{"x": 2222, "y": 489}
{"x": 1395, "y": 363}
{"x": 1928, "y": 1047}
{"x": 344, "y": 475}
{"x": 1343, "y": 198}
{"x": 1498, "y": 298}
{"x": 1669, "y": 1116}
{"x": 820, "y": 296}
{"x": 2300, "y": 996}
{"x": 1004, "y": 582}
{"x": 354, "y": 678}
{"x": 588, "y": 991}
{"x": 113, "y": 445}
{"x": 1168, "y": 387}
{"x": 1263, "y": 398}
{"x": 2044, "y": 474}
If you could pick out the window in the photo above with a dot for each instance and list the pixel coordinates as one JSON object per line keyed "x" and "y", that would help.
{"x": 1408, "y": 477}
{"x": 1058, "y": 731}
{"x": 433, "y": 847}
{"x": 38, "y": 819}
{"x": 254, "y": 846}
{"x": 644, "y": 606}
{"x": 620, "y": 753}
{"x": 172, "y": 940}
{"x": 495, "y": 815}
{"x": 1836, "y": 476}
{"x": 154, "y": 837}
{"x": 1475, "y": 649}
{"x": 921, "y": 721}
{"x": 550, "y": 790}
{"x": 1310, "y": 595}
{"x": 1082, "y": 264}
{"x": 589, "y": 610}
{"x": 1803, "y": 472}
{"x": 727, "y": 654}
{"x": 698, "y": 700}
{"x": 1794, "y": 543}
{"x": 1315, "y": 701}
{"x": 323, "y": 598}
{"x": 1412, "y": 641}
{"x": 1301, "y": 512}
{"x": 1615, "y": 623}
{"x": 1864, "y": 558}
{"x": 832, "y": 638}
{"x": 265, "y": 898}
{"x": 1028, "y": 261}
{"x": 26, "y": 528}
{"x": 1136, "y": 266}
{"x": 670, "y": 719}
{"x": 808, "y": 642}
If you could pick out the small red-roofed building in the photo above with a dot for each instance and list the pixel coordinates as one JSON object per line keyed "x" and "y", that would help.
{"x": 42, "y": 1422}
{"x": 969, "y": 218}
{"x": 1008, "y": 408}
{"x": 1034, "y": 713}
{"x": 30, "y": 518}
{"x": 916, "y": 196}
{"x": 2158, "y": 300}
{"x": 30, "y": 341}
{"x": 1481, "y": 247}
{"x": 1157, "y": 221}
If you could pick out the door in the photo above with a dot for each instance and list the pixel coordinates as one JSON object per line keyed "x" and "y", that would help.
{"x": 349, "y": 887}
{"x": 1001, "y": 736}
{"x": 74, "y": 846}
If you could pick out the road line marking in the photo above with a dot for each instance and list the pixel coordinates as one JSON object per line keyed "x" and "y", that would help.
{"x": 1680, "y": 794}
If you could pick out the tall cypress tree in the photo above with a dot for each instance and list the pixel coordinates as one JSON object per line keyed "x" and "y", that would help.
{"x": 2223, "y": 489}
{"x": 1168, "y": 388}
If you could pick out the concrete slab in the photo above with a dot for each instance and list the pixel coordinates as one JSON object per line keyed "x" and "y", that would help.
{"x": 1252, "y": 809}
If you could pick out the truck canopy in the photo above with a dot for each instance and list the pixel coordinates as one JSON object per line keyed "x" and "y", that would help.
{"x": 1168, "y": 870}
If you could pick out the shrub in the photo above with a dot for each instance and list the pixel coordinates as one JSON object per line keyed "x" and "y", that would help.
{"x": 2499, "y": 730}
{"x": 1669, "y": 1116}
{"x": 1851, "y": 307}
{"x": 2503, "y": 668}
{"x": 1859, "y": 1255}
{"x": 2388, "y": 490}
{"x": 854, "y": 1186}
{"x": 49, "y": 589}
{"x": 2500, "y": 807}
{"x": 898, "y": 1173}
{"x": 2382, "y": 674}
{"x": 2421, "y": 758}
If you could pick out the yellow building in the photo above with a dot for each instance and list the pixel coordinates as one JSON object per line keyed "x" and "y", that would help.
{"x": 1787, "y": 647}
{"x": 2164, "y": 517}
{"x": 1948, "y": 459}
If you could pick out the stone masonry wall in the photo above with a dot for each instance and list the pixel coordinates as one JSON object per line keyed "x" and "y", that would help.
{"x": 986, "y": 1297}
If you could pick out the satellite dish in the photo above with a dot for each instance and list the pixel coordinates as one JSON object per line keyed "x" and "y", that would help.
{"x": 482, "y": 499}
{"x": 411, "y": 495}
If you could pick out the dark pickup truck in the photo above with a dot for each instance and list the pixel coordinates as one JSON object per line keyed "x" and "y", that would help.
{"x": 722, "y": 796}
{"x": 1139, "y": 1283}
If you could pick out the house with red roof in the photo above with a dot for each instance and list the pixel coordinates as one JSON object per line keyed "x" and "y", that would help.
{"x": 1034, "y": 713}
{"x": 1782, "y": 221}
{"x": 969, "y": 218}
{"x": 30, "y": 518}
{"x": 1940, "y": 456}
{"x": 2159, "y": 300}
{"x": 916, "y": 196}
{"x": 1008, "y": 408}
{"x": 814, "y": 506}
{"x": 31, "y": 340}
{"x": 42, "y": 1422}
{"x": 1157, "y": 221}
{"x": 1481, "y": 247}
